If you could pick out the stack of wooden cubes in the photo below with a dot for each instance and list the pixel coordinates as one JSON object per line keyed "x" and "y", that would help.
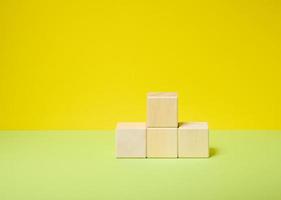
{"x": 162, "y": 136}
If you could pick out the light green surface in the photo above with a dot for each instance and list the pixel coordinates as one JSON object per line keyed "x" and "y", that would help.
{"x": 81, "y": 165}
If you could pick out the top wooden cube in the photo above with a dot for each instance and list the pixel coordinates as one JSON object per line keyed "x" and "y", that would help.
{"x": 162, "y": 110}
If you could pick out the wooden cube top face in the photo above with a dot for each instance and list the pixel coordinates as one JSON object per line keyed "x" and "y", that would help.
{"x": 193, "y": 140}
{"x": 130, "y": 140}
{"x": 131, "y": 125}
{"x": 161, "y": 142}
{"x": 162, "y": 95}
{"x": 162, "y": 110}
{"x": 193, "y": 125}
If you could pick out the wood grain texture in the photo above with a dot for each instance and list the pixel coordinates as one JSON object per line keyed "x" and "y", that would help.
{"x": 162, "y": 110}
{"x": 161, "y": 142}
{"x": 131, "y": 140}
{"x": 193, "y": 139}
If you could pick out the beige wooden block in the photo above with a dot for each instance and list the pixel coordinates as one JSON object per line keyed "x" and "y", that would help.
{"x": 162, "y": 110}
{"x": 161, "y": 142}
{"x": 193, "y": 139}
{"x": 131, "y": 140}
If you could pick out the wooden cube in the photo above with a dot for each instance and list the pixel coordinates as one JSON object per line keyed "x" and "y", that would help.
{"x": 162, "y": 110}
{"x": 161, "y": 142}
{"x": 131, "y": 140}
{"x": 193, "y": 140}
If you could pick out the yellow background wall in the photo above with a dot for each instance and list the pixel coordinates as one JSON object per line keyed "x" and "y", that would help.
{"x": 89, "y": 64}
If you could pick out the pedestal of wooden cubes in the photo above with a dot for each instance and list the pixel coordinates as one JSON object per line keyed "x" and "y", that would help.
{"x": 161, "y": 136}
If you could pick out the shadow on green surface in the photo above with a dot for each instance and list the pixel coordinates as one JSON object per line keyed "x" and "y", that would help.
{"x": 213, "y": 152}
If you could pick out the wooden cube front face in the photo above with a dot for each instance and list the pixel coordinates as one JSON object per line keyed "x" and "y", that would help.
{"x": 162, "y": 110}
{"x": 161, "y": 142}
{"x": 131, "y": 140}
{"x": 193, "y": 142}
